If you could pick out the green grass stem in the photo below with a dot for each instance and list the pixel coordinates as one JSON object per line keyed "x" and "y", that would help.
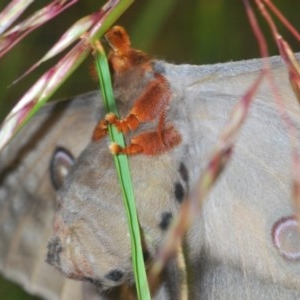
{"x": 122, "y": 166}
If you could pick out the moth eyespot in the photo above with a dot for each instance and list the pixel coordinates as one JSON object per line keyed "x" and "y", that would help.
{"x": 146, "y": 255}
{"x": 114, "y": 275}
{"x": 286, "y": 238}
{"x": 183, "y": 172}
{"x": 178, "y": 192}
{"x": 166, "y": 218}
{"x": 60, "y": 165}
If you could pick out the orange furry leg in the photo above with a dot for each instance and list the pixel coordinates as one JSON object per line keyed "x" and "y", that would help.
{"x": 131, "y": 149}
{"x": 129, "y": 123}
{"x": 150, "y": 143}
{"x": 100, "y": 130}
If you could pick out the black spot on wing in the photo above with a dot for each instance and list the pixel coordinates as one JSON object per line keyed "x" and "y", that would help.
{"x": 93, "y": 281}
{"x": 183, "y": 172}
{"x": 146, "y": 255}
{"x": 178, "y": 192}
{"x": 166, "y": 218}
{"x": 114, "y": 275}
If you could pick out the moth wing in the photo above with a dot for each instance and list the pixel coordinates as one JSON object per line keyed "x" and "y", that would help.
{"x": 236, "y": 251}
{"x": 27, "y": 198}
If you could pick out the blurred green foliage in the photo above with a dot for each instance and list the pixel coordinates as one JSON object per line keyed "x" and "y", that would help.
{"x": 190, "y": 31}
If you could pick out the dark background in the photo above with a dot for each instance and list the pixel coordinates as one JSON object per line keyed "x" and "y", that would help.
{"x": 190, "y": 31}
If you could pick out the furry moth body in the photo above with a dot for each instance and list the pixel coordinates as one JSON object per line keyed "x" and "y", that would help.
{"x": 231, "y": 249}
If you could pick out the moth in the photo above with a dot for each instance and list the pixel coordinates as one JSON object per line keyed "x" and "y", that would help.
{"x": 60, "y": 200}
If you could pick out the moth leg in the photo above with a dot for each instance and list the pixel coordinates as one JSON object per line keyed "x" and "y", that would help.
{"x": 152, "y": 103}
{"x": 150, "y": 142}
{"x": 100, "y": 130}
{"x": 131, "y": 122}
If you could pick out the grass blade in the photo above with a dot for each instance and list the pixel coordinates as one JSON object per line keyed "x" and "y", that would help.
{"x": 122, "y": 166}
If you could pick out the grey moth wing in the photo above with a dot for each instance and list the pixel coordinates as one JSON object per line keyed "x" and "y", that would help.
{"x": 28, "y": 200}
{"x": 243, "y": 251}
{"x": 241, "y": 233}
